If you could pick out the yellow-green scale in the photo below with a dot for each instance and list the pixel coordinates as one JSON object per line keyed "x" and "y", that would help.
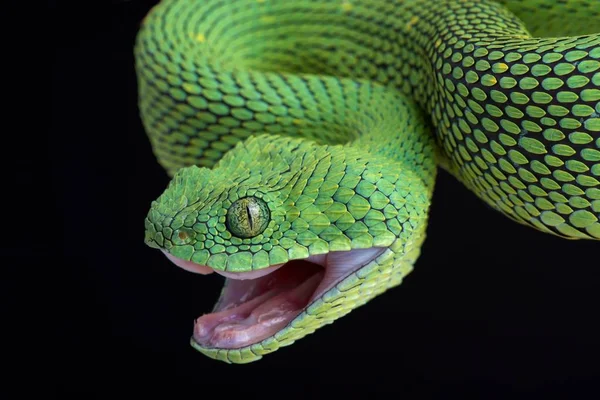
{"x": 516, "y": 118}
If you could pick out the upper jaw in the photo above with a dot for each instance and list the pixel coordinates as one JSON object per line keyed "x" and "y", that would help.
{"x": 205, "y": 270}
{"x": 337, "y": 264}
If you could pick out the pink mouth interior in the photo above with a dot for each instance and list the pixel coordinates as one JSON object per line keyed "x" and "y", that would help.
{"x": 255, "y": 309}
{"x": 255, "y": 305}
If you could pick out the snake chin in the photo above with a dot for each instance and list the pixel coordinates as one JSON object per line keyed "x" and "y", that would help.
{"x": 254, "y": 306}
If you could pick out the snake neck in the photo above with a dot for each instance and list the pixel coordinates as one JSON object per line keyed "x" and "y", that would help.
{"x": 206, "y": 84}
{"x": 203, "y": 75}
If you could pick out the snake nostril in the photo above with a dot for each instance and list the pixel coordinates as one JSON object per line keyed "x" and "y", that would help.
{"x": 183, "y": 236}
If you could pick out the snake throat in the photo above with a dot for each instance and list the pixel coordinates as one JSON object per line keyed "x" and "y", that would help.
{"x": 254, "y": 306}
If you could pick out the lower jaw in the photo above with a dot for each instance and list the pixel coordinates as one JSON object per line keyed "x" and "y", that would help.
{"x": 271, "y": 303}
{"x": 252, "y": 312}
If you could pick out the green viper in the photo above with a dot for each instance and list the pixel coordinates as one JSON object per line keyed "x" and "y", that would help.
{"x": 303, "y": 139}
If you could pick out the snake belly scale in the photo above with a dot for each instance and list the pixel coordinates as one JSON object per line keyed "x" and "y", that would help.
{"x": 303, "y": 139}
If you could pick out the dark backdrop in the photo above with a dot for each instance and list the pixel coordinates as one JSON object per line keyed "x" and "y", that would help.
{"x": 492, "y": 306}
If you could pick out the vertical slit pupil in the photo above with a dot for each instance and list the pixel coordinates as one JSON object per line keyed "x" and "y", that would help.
{"x": 249, "y": 214}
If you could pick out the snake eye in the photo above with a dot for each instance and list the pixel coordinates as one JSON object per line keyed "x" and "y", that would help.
{"x": 248, "y": 217}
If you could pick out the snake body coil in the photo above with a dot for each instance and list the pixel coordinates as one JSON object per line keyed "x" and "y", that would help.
{"x": 311, "y": 130}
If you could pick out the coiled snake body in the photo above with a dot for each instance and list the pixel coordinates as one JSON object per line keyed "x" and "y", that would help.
{"x": 303, "y": 139}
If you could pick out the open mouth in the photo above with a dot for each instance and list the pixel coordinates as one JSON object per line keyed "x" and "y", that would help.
{"x": 256, "y": 305}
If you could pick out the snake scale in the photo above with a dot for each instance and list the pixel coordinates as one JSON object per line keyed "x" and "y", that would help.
{"x": 309, "y": 132}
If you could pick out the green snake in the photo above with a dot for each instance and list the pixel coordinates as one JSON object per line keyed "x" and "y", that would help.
{"x": 302, "y": 139}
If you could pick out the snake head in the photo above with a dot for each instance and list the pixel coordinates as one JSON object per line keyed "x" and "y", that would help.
{"x": 303, "y": 233}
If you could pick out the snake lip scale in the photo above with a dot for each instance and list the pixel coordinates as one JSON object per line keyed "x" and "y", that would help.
{"x": 255, "y": 305}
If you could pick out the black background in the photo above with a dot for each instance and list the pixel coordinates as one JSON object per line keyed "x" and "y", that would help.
{"x": 492, "y": 307}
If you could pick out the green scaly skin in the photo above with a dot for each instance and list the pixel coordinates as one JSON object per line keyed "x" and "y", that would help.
{"x": 337, "y": 113}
